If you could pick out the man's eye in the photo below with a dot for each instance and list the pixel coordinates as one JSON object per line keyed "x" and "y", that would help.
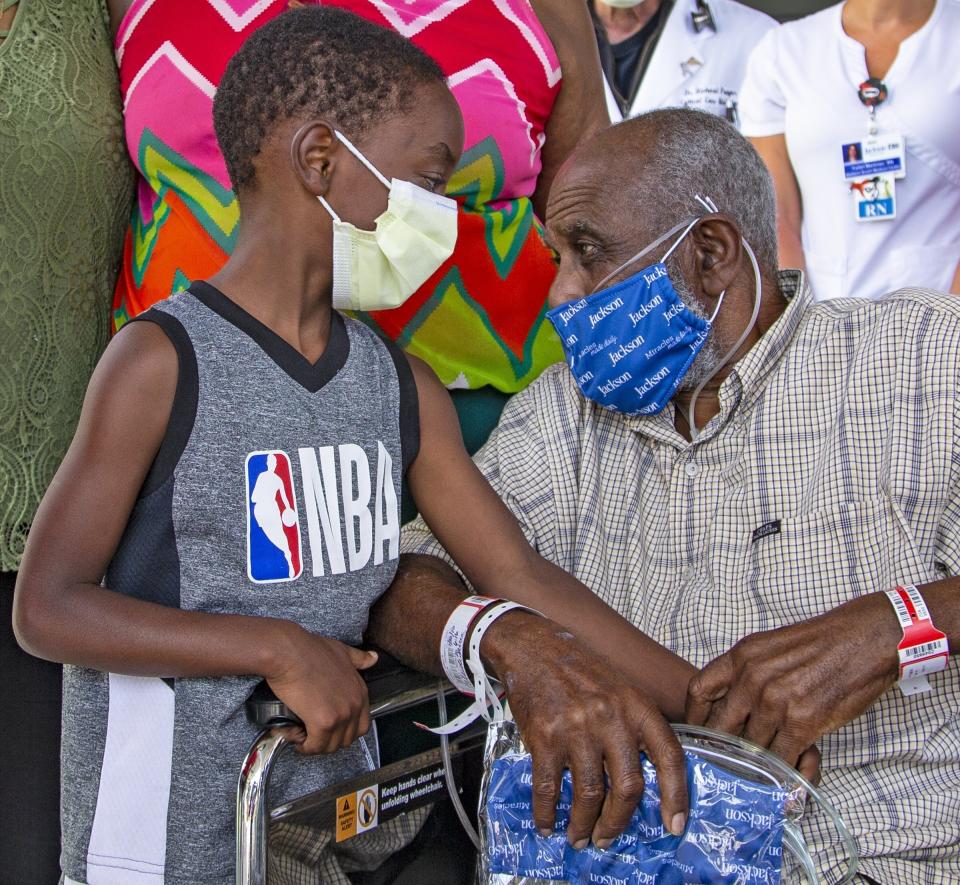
{"x": 434, "y": 185}
{"x": 587, "y": 251}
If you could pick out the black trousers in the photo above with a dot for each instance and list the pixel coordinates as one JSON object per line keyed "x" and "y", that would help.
{"x": 29, "y": 758}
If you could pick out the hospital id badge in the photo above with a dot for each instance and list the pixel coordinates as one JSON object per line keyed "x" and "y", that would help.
{"x": 882, "y": 154}
{"x": 874, "y": 198}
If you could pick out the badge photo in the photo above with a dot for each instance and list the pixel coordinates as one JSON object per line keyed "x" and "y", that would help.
{"x": 875, "y": 198}
{"x": 274, "y": 551}
{"x": 882, "y": 154}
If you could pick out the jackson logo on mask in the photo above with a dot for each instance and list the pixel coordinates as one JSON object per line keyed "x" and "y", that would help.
{"x": 630, "y": 345}
{"x": 380, "y": 269}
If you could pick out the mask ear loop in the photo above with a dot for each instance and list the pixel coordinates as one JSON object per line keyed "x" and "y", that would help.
{"x": 694, "y": 433}
{"x": 329, "y": 208}
{"x": 716, "y": 310}
{"x": 707, "y": 204}
{"x": 356, "y": 152}
{"x": 353, "y": 150}
{"x": 689, "y": 225}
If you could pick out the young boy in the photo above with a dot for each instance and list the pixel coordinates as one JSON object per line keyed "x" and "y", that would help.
{"x": 228, "y": 511}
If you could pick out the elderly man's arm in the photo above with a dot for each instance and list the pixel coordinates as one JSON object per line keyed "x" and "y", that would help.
{"x": 574, "y": 711}
{"x": 785, "y": 688}
{"x": 585, "y": 686}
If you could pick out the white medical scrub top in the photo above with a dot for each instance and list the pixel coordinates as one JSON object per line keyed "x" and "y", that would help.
{"x": 701, "y": 70}
{"x": 802, "y": 82}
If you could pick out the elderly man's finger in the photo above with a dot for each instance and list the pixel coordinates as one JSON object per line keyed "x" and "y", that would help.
{"x": 761, "y": 729}
{"x": 789, "y": 745}
{"x": 547, "y": 777}
{"x": 708, "y": 686}
{"x": 622, "y": 759}
{"x": 809, "y": 764}
{"x": 586, "y": 769}
{"x": 730, "y": 713}
{"x": 667, "y": 756}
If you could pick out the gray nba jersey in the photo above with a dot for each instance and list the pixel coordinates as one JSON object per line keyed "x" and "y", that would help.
{"x": 275, "y": 493}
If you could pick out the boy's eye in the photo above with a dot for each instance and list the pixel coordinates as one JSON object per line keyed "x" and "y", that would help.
{"x": 434, "y": 185}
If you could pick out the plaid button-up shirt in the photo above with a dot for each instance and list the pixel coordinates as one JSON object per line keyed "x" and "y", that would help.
{"x": 842, "y": 426}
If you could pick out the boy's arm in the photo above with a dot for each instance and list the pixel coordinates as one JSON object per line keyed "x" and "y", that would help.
{"x": 62, "y": 613}
{"x": 577, "y": 708}
{"x": 483, "y": 537}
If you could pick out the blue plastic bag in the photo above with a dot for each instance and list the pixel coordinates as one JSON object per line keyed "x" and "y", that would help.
{"x": 733, "y": 835}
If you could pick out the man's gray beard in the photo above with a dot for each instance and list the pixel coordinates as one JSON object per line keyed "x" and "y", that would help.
{"x": 707, "y": 362}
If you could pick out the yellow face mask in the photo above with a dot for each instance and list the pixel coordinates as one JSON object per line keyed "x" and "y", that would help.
{"x": 380, "y": 269}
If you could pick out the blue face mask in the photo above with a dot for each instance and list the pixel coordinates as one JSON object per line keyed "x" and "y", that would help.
{"x": 629, "y": 346}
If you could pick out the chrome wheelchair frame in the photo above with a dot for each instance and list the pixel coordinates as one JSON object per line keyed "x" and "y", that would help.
{"x": 392, "y": 688}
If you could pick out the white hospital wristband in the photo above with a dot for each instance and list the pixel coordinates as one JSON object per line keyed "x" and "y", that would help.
{"x": 483, "y": 623}
{"x": 454, "y": 637}
{"x": 486, "y": 692}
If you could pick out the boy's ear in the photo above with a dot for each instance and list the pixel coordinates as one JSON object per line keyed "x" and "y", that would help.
{"x": 313, "y": 155}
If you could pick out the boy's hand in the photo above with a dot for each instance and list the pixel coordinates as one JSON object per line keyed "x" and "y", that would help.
{"x": 318, "y": 679}
{"x": 575, "y": 712}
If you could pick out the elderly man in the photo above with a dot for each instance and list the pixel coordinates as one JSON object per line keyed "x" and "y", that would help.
{"x": 745, "y": 490}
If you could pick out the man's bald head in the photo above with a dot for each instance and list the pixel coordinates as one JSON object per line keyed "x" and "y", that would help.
{"x": 649, "y": 169}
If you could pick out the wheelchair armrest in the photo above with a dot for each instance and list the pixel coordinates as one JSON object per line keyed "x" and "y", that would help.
{"x": 390, "y": 684}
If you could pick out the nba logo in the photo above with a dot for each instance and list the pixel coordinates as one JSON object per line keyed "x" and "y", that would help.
{"x": 273, "y": 524}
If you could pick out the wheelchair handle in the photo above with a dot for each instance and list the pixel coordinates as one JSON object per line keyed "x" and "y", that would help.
{"x": 391, "y": 687}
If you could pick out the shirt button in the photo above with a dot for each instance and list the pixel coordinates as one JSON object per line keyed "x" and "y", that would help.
{"x": 692, "y": 469}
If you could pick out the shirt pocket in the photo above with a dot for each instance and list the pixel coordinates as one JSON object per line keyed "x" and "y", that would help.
{"x": 820, "y": 560}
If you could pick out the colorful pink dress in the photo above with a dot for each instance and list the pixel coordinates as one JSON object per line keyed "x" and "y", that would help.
{"x": 479, "y": 320}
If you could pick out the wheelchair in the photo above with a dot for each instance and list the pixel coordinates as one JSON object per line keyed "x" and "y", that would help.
{"x": 360, "y": 803}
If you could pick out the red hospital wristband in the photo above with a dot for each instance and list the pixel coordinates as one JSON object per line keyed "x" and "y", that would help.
{"x": 923, "y": 649}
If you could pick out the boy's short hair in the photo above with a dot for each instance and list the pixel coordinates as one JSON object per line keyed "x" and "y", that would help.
{"x": 314, "y": 62}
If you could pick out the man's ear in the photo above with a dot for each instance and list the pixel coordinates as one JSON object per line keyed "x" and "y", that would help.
{"x": 717, "y": 245}
{"x": 313, "y": 155}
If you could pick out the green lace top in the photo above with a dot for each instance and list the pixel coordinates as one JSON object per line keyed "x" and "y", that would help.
{"x": 65, "y": 190}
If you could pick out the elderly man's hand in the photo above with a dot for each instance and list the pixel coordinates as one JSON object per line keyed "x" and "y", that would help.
{"x": 575, "y": 712}
{"x": 785, "y": 688}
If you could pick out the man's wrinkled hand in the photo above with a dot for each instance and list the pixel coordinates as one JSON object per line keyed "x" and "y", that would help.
{"x": 785, "y": 688}
{"x": 575, "y": 713}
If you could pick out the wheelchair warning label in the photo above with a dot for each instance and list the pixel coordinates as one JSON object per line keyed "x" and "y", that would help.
{"x": 371, "y": 806}
{"x": 358, "y": 812}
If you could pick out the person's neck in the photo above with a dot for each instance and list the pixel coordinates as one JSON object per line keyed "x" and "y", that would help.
{"x": 621, "y": 24}
{"x": 285, "y": 287}
{"x": 882, "y": 15}
{"x": 772, "y": 305}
